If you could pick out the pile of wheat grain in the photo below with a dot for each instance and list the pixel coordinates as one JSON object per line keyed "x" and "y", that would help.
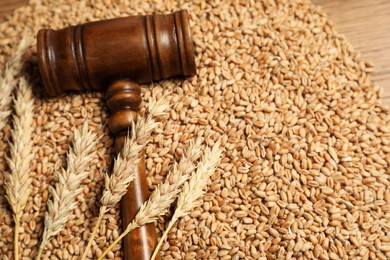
{"x": 305, "y": 170}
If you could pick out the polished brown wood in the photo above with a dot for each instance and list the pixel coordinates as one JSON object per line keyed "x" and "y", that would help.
{"x": 115, "y": 55}
{"x": 93, "y": 55}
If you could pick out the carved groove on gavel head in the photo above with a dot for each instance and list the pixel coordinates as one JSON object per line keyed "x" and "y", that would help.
{"x": 115, "y": 55}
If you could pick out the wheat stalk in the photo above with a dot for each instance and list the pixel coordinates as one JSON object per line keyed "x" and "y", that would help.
{"x": 116, "y": 184}
{"x": 17, "y": 183}
{"x": 65, "y": 191}
{"x": 7, "y": 82}
{"x": 193, "y": 190}
{"x": 163, "y": 196}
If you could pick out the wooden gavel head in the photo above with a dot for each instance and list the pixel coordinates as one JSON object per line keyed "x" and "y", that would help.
{"x": 137, "y": 48}
{"x": 114, "y": 56}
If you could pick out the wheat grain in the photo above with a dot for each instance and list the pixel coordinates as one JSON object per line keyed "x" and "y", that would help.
{"x": 279, "y": 86}
{"x": 65, "y": 191}
{"x": 193, "y": 189}
{"x": 160, "y": 200}
{"x": 7, "y": 82}
{"x": 17, "y": 182}
{"x": 123, "y": 173}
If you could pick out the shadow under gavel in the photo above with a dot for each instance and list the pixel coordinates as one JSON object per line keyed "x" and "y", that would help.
{"x": 114, "y": 56}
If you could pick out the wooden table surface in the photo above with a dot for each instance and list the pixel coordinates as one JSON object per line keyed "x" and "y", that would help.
{"x": 365, "y": 23}
{"x": 6, "y": 6}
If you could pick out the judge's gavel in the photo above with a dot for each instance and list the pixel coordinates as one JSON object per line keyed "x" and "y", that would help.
{"x": 115, "y": 55}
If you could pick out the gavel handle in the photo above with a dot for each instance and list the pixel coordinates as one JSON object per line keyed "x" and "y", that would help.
{"x": 124, "y": 98}
{"x": 141, "y": 242}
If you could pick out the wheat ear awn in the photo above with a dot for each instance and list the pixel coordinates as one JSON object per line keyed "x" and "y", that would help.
{"x": 163, "y": 196}
{"x": 193, "y": 190}
{"x": 17, "y": 182}
{"x": 65, "y": 191}
{"x": 8, "y": 80}
{"x": 116, "y": 184}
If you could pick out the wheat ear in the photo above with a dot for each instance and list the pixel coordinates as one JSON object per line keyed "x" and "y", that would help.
{"x": 116, "y": 184}
{"x": 193, "y": 190}
{"x": 164, "y": 195}
{"x": 65, "y": 191}
{"x": 7, "y": 82}
{"x": 17, "y": 183}
{"x": 123, "y": 173}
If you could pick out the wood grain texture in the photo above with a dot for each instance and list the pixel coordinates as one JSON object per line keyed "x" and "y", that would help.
{"x": 366, "y": 24}
{"x": 7, "y": 6}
